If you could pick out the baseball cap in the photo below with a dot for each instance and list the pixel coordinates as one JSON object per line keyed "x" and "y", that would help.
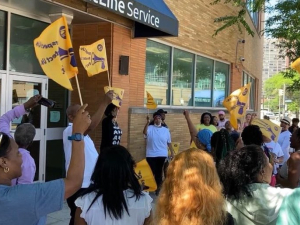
{"x": 156, "y": 114}
{"x": 162, "y": 111}
{"x": 221, "y": 113}
{"x": 286, "y": 120}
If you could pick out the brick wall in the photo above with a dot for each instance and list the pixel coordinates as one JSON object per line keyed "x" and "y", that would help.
{"x": 118, "y": 42}
{"x": 91, "y": 87}
{"x": 195, "y": 36}
{"x": 134, "y": 83}
{"x": 175, "y": 121}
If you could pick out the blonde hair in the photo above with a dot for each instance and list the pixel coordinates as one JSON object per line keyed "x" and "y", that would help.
{"x": 191, "y": 193}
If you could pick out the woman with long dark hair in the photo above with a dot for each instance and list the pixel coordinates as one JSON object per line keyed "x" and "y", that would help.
{"x": 115, "y": 195}
{"x": 111, "y": 132}
{"x": 221, "y": 145}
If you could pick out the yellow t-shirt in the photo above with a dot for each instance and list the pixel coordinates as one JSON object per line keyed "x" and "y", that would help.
{"x": 212, "y": 128}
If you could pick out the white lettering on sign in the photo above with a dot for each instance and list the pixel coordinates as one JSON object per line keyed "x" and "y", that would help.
{"x": 129, "y": 10}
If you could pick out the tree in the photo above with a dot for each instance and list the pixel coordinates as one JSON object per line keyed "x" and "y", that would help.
{"x": 239, "y": 19}
{"x": 273, "y": 84}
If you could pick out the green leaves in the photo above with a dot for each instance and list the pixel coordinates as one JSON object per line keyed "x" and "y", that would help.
{"x": 239, "y": 18}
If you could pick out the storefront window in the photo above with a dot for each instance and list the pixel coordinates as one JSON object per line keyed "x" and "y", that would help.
{"x": 2, "y": 39}
{"x": 182, "y": 80}
{"x": 203, "y": 84}
{"x": 246, "y": 79}
{"x": 220, "y": 83}
{"x": 22, "y": 92}
{"x": 192, "y": 76}
{"x": 158, "y": 58}
{"x": 22, "y": 55}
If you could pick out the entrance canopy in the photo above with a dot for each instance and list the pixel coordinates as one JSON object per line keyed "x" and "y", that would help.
{"x": 153, "y": 18}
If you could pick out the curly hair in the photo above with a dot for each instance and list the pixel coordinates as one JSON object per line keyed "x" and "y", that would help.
{"x": 191, "y": 193}
{"x": 202, "y": 117}
{"x": 222, "y": 144}
{"x": 252, "y": 135}
{"x": 239, "y": 169}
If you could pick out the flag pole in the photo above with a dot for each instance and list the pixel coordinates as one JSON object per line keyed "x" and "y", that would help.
{"x": 108, "y": 77}
{"x": 79, "y": 92}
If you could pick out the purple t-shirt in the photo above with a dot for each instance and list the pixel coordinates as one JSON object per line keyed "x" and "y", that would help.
{"x": 28, "y": 165}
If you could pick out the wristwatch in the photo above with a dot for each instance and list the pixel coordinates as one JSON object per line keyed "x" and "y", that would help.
{"x": 76, "y": 137}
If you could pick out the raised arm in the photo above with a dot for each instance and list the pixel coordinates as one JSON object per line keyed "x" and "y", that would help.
{"x": 74, "y": 178}
{"x": 96, "y": 118}
{"x": 16, "y": 112}
{"x": 146, "y": 126}
{"x": 192, "y": 128}
{"x": 293, "y": 172}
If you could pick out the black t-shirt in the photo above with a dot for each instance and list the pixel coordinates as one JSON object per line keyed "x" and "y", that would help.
{"x": 111, "y": 133}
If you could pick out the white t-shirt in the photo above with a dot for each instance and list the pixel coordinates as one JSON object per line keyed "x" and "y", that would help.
{"x": 275, "y": 148}
{"x": 284, "y": 141}
{"x": 221, "y": 124}
{"x": 138, "y": 210}
{"x": 91, "y": 155}
{"x": 158, "y": 139}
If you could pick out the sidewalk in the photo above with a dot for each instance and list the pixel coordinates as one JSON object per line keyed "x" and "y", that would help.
{"x": 62, "y": 217}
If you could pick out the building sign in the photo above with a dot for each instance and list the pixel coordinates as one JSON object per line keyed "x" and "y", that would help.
{"x": 135, "y": 10}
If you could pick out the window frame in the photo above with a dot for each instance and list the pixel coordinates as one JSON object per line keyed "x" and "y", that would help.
{"x": 194, "y": 64}
{"x": 253, "y": 93}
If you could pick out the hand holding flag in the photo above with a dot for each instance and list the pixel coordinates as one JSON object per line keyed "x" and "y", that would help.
{"x": 117, "y": 96}
{"x": 150, "y": 102}
{"x": 93, "y": 57}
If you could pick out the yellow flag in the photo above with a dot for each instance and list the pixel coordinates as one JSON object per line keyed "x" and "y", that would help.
{"x": 296, "y": 65}
{"x": 269, "y": 129}
{"x": 145, "y": 176}
{"x": 118, "y": 95}
{"x": 93, "y": 57}
{"x": 193, "y": 145}
{"x": 54, "y": 51}
{"x": 150, "y": 102}
{"x": 175, "y": 146}
{"x": 236, "y": 103}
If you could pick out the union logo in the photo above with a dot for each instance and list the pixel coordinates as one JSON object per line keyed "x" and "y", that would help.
{"x": 62, "y": 32}
{"x": 245, "y": 91}
{"x": 100, "y": 47}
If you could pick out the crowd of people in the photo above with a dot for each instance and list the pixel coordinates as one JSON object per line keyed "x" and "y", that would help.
{"x": 233, "y": 176}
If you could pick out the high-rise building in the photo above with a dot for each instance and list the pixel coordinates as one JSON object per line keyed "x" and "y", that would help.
{"x": 273, "y": 63}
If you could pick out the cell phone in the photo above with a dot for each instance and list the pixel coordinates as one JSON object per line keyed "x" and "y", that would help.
{"x": 47, "y": 102}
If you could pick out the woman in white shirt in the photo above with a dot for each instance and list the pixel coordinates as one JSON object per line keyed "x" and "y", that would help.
{"x": 158, "y": 141}
{"x": 115, "y": 195}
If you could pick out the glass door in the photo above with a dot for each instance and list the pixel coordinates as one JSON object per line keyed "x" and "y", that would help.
{"x": 56, "y": 123}
{"x": 20, "y": 89}
{"x": 2, "y": 93}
